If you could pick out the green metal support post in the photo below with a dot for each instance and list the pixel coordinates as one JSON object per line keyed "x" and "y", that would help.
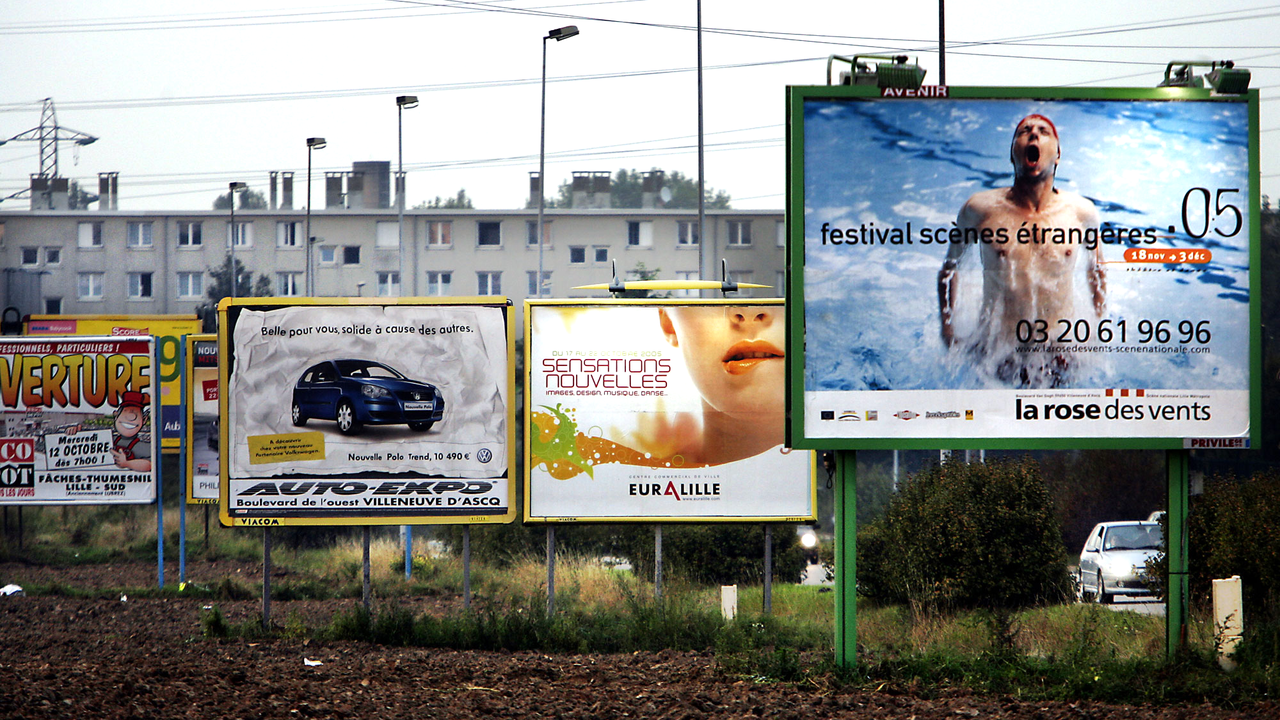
{"x": 846, "y": 558}
{"x": 1175, "y": 614}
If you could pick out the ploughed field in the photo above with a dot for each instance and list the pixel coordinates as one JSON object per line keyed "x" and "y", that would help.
{"x": 66, "y": 657}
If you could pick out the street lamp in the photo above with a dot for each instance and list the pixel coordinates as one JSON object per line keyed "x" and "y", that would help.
{"x": 403, "y": 102}
{"x": 315, "y": 143}
{"x": 563, "y": 33}
{"x": 232, "y": 189}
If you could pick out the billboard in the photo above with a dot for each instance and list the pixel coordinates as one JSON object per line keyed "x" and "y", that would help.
{"x": 77, "y": 421}
{"x": 1022, "y": 267}
{"x": 351, "y": 412}
{"x": 659, "y": 410}
{"x": 201, "y": 373}
{"x": 167, "y": 330}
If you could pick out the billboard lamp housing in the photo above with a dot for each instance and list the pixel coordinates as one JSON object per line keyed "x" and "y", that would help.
{"x": 1223, "y": 76}
{"x": 892, "y": 72}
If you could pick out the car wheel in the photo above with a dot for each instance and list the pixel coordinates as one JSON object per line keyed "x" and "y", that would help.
{"x": 347, "y": 422}
{"x": 1103, "y": 596}
{"x": 421, "y": 426}
{"x": 299, "y": 418}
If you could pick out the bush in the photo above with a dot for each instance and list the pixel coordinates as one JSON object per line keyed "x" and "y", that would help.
{"x": 716, "y": 554}
{"x": 962, "y": 535}
{"x": 1234, "y": 529}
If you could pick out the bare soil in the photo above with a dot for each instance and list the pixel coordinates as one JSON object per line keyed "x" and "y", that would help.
{"x": 108, "y": 657}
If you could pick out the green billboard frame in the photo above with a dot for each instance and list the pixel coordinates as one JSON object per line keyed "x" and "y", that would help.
{"x": 796, "y": 98}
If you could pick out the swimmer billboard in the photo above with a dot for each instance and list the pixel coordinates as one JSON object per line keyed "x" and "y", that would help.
{"x": 77, "y": 421}
{"x": 168, "y": 331}
{"x": 659, "y": 410}
{"x": 202, "y": 419}
{"x": 350, "y": 412}
{"x": 1020, "y": 268}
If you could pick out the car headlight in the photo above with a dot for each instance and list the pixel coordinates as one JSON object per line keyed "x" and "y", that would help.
{"x": 373, "y": 391}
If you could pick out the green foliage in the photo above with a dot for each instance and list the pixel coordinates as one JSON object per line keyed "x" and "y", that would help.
{"x": 1234, "y": 529}
{"x": 721, "y": 554}
{"x": 626, "y": 192}
{"x": 246, "y": 284}
{"x": 966, "y": 535}
{"x": 249, "y": 200}
{"x": 457, "y": 202}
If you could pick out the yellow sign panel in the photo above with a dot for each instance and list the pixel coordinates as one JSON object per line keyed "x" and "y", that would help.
{"x": 265, "y": 449}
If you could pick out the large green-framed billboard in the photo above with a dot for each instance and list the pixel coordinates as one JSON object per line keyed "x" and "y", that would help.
{"x": 1022, "y": 268}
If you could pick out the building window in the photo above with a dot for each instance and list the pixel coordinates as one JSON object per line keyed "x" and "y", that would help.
{"x": 242, "y": 234}
{"x": 140, "y": 286}
{"x": 139, "y": 235}
{"x": 328, "y": 255}
{"x": 531, "y": 234}
{"x": 489, "y": 233}
{"x": 287, "y": 234}
{"x": 350, "y": 254}
{"x": 742, "y": 276}
{"x": 190, "y": 284}
{"x": 739, "y": 232}
{"x": 639, "y": 233}
{"x": 687, "y": 233}
{"x": 90, "y": 235}
{"x": 440, "y": 234}
{"x": 53, "y": 256}
{"x": 780, "y": 283}
{"x": 781, "y": 230}
{"x": 288, "y": 284}
{"x": 30, "y": 256}
{"x": 438, "y": 283}
{"x": 600, "y": 254}
{"x": 577, "y": 255}
{"x": 190, "y": 234}
{"x": 686, "y": 276}
{"x": 388, "y": 284}
{"x": 89, "y": 285}
{"x": 533, "y": 282}
{"x": 387, "y": 235}
{"x": 489, "y": 283}
{"x": 53, "y": 306}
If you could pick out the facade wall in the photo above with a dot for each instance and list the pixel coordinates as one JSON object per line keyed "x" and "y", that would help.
{"x": 150, "y": 262}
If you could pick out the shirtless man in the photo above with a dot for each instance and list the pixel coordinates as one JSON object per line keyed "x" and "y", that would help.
{"x": 1028, "y": 263}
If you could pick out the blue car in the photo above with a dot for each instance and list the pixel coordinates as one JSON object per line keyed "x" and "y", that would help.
{"x": 355, "y": 393}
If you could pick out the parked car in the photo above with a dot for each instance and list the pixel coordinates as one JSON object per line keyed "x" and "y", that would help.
{"x": 355, "y": 393}
{"x": 1114, "y": 559}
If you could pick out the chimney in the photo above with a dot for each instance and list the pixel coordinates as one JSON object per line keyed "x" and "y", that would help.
{"x": 40, "y": 193}
{"x": 286, "y": 190}
{"x": 108, "y": 191}
{"x": 271, "y": 202}
{"x": 333, "y": 189}
{"x": 355, "y": 191}
{"x": 535, "y": 181}
{"x": 376, "y": 184}
{"x": 591, "y": 190}
{"x": 651, "y": 189}
{"x": 59, "y": 194}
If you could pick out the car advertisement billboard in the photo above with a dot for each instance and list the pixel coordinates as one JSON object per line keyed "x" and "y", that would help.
{"x": 1014, "y": 267}
{"x": 351, "y": 412}
{"x": 167, "y": 330}
{"x": 659, "y": 410}
{"x": 77, "y": 421}
{"x": 202, "y": 419}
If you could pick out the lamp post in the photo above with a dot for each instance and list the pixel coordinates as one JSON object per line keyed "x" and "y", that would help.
{"x": 314, "y": 143}
{"x": 232, "y": 189}
{"x": 403, "y": 102}
{"x": 563, "y": 33}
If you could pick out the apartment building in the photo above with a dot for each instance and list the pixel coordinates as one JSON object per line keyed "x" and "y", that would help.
{"x": 112, "y": 261}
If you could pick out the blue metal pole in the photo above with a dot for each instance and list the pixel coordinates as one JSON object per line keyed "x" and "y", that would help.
{"x": 408, "y": 551}
{"x": 182, "y": 465}
{"x": 157, "y": 462}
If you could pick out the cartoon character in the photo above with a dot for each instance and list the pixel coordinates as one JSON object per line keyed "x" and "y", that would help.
{"x": 131, "y": 444}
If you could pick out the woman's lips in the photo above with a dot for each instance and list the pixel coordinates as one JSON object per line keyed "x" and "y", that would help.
{"x": 745, "y": 355}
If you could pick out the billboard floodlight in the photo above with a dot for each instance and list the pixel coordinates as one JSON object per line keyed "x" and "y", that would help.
{"x": 1224, "y": 77}
{"x": 892, "y": 72}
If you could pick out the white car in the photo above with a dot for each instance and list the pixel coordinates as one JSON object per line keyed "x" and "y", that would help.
{"x": 1114, "y": 559}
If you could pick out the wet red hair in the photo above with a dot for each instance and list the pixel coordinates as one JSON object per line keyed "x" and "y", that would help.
{"x": 1037, "y": 116}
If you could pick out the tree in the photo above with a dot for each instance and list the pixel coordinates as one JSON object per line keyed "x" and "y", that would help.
{"x": 642, "y": 273}
{"x": 458, "y": 202}
{"x": 246, "y": 284}
{"x": 626, "y": 191}
{"x": 78, "y": 198}
{"x": 249, "y": 200}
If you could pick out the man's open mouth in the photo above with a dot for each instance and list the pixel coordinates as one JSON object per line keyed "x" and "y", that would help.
{"x": 745, "y": 355}
{"x": 1033, "y": 154}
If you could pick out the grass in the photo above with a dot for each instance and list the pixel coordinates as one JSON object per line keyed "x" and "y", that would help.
{"x": 1054, "y": 652}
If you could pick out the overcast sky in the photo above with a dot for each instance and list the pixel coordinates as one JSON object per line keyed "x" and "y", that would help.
{"x": 186, "y": 97}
